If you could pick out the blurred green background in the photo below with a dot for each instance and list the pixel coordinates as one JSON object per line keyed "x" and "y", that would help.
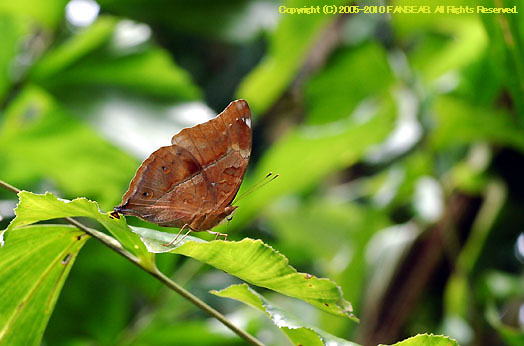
{"x": 398, "y": 139}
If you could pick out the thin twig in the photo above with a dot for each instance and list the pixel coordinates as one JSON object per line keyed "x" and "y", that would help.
{"x": 115, "y": 246}
{"x": 186, "y": 294}
{"x": 9, "y": 187}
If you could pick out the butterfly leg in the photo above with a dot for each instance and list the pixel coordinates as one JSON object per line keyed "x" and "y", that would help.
{"x": 174, "y": 241}
{"x": 218, "y": 234}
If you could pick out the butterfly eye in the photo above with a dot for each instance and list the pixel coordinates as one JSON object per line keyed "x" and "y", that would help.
{"x": 229, "y": 217}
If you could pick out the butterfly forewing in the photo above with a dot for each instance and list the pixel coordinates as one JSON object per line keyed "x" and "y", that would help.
{"x": 223, "y": 147}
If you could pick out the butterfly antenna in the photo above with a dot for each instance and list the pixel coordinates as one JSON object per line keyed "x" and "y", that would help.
{"x": 264, "y": 181}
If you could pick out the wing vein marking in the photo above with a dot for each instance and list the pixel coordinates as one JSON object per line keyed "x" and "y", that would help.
{"x": 190, "y": 135}
{"x": 222, "y": 157}
{"x": 189, "y": 177}
{"x": 204, "y": 175}
{"x": 227, "y": 130}
{"x": 215, "y": 155}
{"x": 203, "y": 167}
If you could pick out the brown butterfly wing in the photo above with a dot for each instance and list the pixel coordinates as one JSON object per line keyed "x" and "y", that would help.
{"x": 222, "y": 146}
{"x": 168, "y": 189}
{"x": 194, "y": 181}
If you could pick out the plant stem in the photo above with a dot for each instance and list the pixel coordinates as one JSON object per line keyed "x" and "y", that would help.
{"x": 115, "y": 246}
{"x": 9, "y": 187}
{"x": 193, "y": 299}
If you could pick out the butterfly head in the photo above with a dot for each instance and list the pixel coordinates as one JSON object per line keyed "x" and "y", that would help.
{"x": 227, "y": 214}
{"x": 122, "y": 208}
{"x": 232, "y": 209}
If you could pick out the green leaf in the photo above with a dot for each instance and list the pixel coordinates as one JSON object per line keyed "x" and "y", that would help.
{"x": 442, "y": 42}
{"x": 35, "y": 262}
{"x": 427, "y": 340}
{"x": 183, "y": 333}
{"x": 256, "y": 263}
{"x": 92, "y": 58}
{"x": 12, "y": 30}
{"x": 33, "y": 208}
{"x": 458, "y": 122}
{"x": 46, "y": 14}
{"x": 467, "y": 42}
{"x": 364, "y": 70}
{"x": 40, "y": 141}
{"x": 341, "y": 250}
{"x": 296, "y": 331}
{"x": 506, "y": 48}
{"x": 213, "y": 21}
{"x": 150, "y": 72}
{"x": 72, "y": 50}
{"x": 288, "y": 49}
{"x": 155, "y": 241}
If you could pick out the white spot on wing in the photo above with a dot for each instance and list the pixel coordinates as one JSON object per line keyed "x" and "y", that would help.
{"x": 240, "y": 105}
{"x": 244, "y": 153}
{"x": 247, "y": 121}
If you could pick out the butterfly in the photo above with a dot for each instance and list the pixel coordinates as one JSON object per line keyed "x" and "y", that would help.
{"x": 191, "y": 183}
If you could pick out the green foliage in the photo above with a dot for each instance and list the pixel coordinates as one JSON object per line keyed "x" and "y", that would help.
{"x": 267, "y": 268}
{"x": 33, "y": 208}
{"x": 457, "y": 122}
{"x": 91, "y": 59}
{"x": 364, "y": 71}
{"x": 48, "y": 16}
{"x": 214, "y": 19}
{"x": 32, "y": 148}
{"x": 295, "y": 330}
{"x": 70, "y": 52}
{"x": 427, "y": 340}
{"x": 397, "y": 138}
{"x": 186, "y": 333}
{"x": 13, "y": 29}
{"x": 288, "y": 50}
{"x": 318, "y": 229}
{"x": 35, "y": 261}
